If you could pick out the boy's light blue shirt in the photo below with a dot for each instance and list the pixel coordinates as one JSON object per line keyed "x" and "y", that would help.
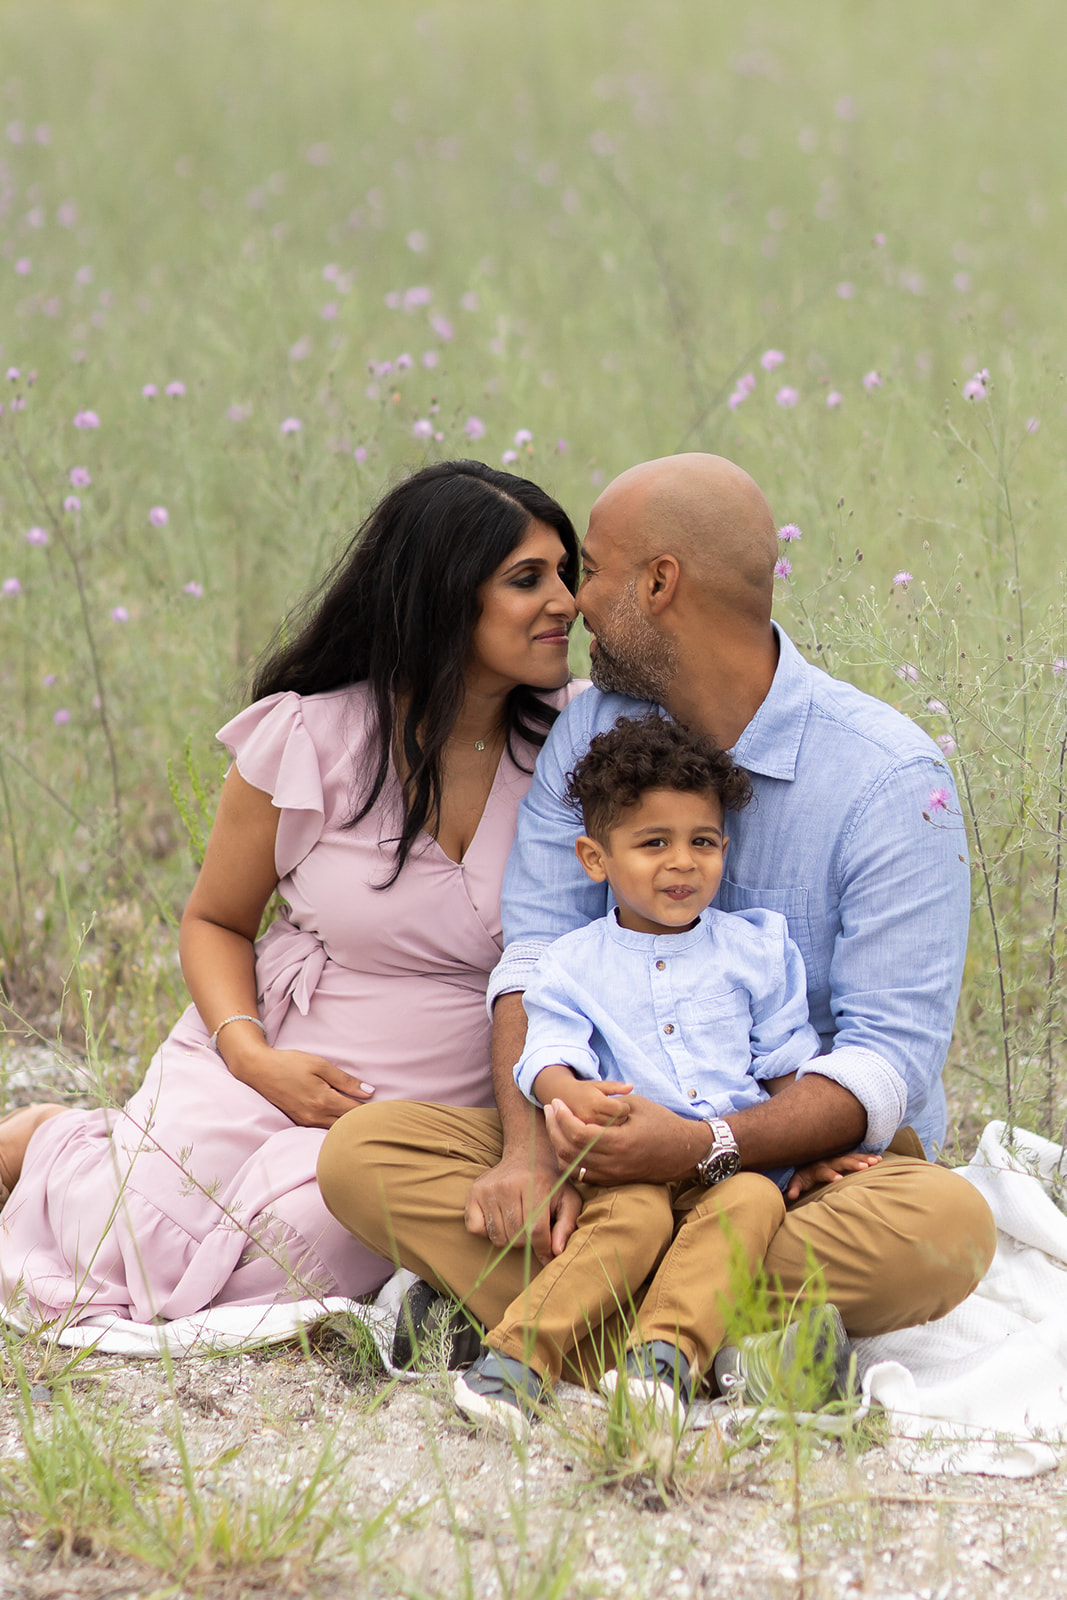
{"x": 854, "y": 835}
{"x": 693, "y": 1020}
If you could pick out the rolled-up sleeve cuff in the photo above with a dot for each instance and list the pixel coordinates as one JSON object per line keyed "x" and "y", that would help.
{"x": 583, "y": 1063}
{"x": 878, "y": 1087}
{"x": 512, "y": 972}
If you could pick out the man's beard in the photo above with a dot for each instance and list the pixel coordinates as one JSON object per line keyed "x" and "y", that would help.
{"x": 638, "y": 661}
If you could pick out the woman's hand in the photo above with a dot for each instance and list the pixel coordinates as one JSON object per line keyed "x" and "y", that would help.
{"x": 309, "y": 1089}
{"x": 828, "y": 1171}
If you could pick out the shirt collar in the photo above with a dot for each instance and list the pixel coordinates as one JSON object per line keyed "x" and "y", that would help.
{"x": 655, "y": 944}
{"x": 771, "y": 742}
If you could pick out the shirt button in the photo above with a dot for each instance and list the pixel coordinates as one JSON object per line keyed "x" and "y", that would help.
{"x": 691, "y": 1093}
{"x": 668, "y": 1027}
{"x": 661, "y": 966}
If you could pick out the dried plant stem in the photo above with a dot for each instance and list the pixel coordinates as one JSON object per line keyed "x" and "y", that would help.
{"x": 1050, "y": 1001}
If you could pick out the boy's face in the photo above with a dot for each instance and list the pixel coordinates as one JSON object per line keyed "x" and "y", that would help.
{"x": 663, "y": 860}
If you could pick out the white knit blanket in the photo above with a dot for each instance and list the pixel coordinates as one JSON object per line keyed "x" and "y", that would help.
{"x": 981, "y": 1390}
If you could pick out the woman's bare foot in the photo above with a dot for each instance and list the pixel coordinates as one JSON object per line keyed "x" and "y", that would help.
{"x": 16, "y": 1131}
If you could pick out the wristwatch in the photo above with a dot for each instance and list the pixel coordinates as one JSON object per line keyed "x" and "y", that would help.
{"x": 724, "y": 1158}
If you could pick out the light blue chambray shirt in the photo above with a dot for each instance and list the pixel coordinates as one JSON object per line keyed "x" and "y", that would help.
{"x": 842, "y": 838}
{"x": 692, "y": 1019}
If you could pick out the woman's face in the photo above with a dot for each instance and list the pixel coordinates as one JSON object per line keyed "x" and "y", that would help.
{"x": 526, "y": 613}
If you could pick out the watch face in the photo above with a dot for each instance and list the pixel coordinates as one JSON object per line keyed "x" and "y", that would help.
{"x": 719, "y": 1165}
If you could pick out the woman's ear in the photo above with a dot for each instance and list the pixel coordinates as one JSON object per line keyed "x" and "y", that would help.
{"x": 591, "y": 856}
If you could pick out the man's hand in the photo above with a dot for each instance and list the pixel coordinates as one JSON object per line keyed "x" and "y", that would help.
{"x": 653, "y": 1145}
{"x": 831, "y": 1171}
{"x": 521, "y": 1192}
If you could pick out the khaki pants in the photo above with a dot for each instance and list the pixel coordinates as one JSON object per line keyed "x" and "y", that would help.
{"x": 895, "y": 1245}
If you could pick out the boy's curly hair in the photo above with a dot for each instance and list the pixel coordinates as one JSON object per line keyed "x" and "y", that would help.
{"x": 643, "y": 753}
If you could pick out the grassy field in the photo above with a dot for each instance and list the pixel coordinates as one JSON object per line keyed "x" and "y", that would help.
{"x": 259, "y": 259}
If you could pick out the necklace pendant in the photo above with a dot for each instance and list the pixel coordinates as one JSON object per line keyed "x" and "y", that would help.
{"x": 479, "y": 744}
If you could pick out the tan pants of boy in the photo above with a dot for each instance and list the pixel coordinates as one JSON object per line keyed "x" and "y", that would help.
{"x": 893, "y": 1246}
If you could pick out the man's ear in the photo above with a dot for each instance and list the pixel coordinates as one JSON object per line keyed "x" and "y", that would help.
{"x": 591, "y": 856}
{"x": 661, "y": 582}
{"x": 725, "y": 842}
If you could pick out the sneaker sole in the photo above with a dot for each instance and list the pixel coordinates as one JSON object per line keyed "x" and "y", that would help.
{"x": 490, "y": 1408}
{"x": 658, "y": 1399}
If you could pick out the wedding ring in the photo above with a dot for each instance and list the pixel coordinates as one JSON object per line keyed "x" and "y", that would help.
{"x": 581, "y": 1174}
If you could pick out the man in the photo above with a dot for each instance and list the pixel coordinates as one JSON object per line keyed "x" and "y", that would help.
{"x": 841, "y": 838}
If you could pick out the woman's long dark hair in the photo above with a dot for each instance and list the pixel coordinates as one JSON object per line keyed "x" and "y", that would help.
{"x": 398, "y": 610}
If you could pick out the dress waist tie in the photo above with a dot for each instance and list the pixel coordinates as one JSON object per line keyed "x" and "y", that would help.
{"x": 289, "y": 965}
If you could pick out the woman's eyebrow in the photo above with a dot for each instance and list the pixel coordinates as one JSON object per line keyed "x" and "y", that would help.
{"x": 527, "y": 561}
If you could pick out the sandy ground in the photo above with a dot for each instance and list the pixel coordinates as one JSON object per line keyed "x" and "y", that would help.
{"x": 406, "y": 1499}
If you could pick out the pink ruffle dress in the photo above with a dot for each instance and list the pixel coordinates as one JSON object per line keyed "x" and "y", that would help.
{"x": 200, "y": 1192}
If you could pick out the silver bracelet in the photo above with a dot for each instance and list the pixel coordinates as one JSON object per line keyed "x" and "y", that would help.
{"x": 239, "y": 1016}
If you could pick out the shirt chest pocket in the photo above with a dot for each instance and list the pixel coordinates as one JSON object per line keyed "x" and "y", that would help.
{"x": 718, "y": 1026}
{"x": 814, "y": 942}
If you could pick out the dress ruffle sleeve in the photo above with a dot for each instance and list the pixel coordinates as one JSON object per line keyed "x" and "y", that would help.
{"x": 274, "y": 752}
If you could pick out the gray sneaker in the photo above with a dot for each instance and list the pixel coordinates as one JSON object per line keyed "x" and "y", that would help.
{"x": 657, "y": 1379}
{"x": 432, "y": 1327}
{"x": 802, "y": 1368}
{"x": 500, "y": 1390}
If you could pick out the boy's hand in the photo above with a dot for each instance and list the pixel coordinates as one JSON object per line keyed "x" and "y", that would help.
{"x": 828, "y": 1171}
{"x": 602, "y": 1104}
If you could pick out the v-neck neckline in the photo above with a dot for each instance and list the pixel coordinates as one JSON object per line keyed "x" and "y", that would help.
{"x": 436, "y": 844}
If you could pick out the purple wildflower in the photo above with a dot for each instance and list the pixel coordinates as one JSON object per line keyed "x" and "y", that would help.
{"x": 976, "y": 388}
{"x": 423, "y": 428}
{"x": 846, "y": 291}
{"x": 524, "y": 436}
{"x": 783, "y": 567}
{"x": 119, "y": 614}
{"x": 1059, "y": 665}
{"x": 442, "y": 327}
{"x": 195, "y": 589}
{"x": 175, "y": 389}
{"x": 238, "y": 413}
{"x": 79, "y": 477}
{"x": 149, "y": 391}
{"x": 938, "y": 800}
{"x": 330, "y": 311}
{"x": 787, "y": 396}
{"x": 789, "y": 531}
{"x": 36, "y": 536}
{"x": 159, "y": 516}
{"x": 872, "y": 381}
{"x": 908, "y": 673}
{"x": 474, "y": 428}
{"x": 12, "y": 374}
{"x": 10, "y": 586}
{"x": 61, "y": 717}
{"x": 430, "y": 359}
{"x": 771, "y": 359}
{"x": 470, "y": 301}
{"x": 901, "y": 580}
{"x": 360, "y": 453}
{"x": 834, "y": 399}
{"x": 509, "y": 456}
{"x": 291, "y": 425}
{"x": 86, "y": 419}
{"x": 938, "y": 707}
{"x": 72, "y": 503}
{"x": 946, "y": 744}
{"x": 419, "y": 296}
{"x": 49, "y": 679}
{"x": 1032, "y": 424}
{"x": 301, "y": 349}
{"x": 23, "y": 265}
{"x": 403, "y": 362}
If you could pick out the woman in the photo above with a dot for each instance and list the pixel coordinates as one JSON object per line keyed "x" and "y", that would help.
{"x": 375, "y": 785}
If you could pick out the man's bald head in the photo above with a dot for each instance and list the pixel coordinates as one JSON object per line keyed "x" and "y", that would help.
{"x": 705, "y": 511}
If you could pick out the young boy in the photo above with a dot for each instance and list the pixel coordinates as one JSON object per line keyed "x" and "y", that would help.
{"x": 685, "y": 1005}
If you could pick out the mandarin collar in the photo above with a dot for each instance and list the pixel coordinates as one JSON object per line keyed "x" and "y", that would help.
{"x": 656, "y": 944}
